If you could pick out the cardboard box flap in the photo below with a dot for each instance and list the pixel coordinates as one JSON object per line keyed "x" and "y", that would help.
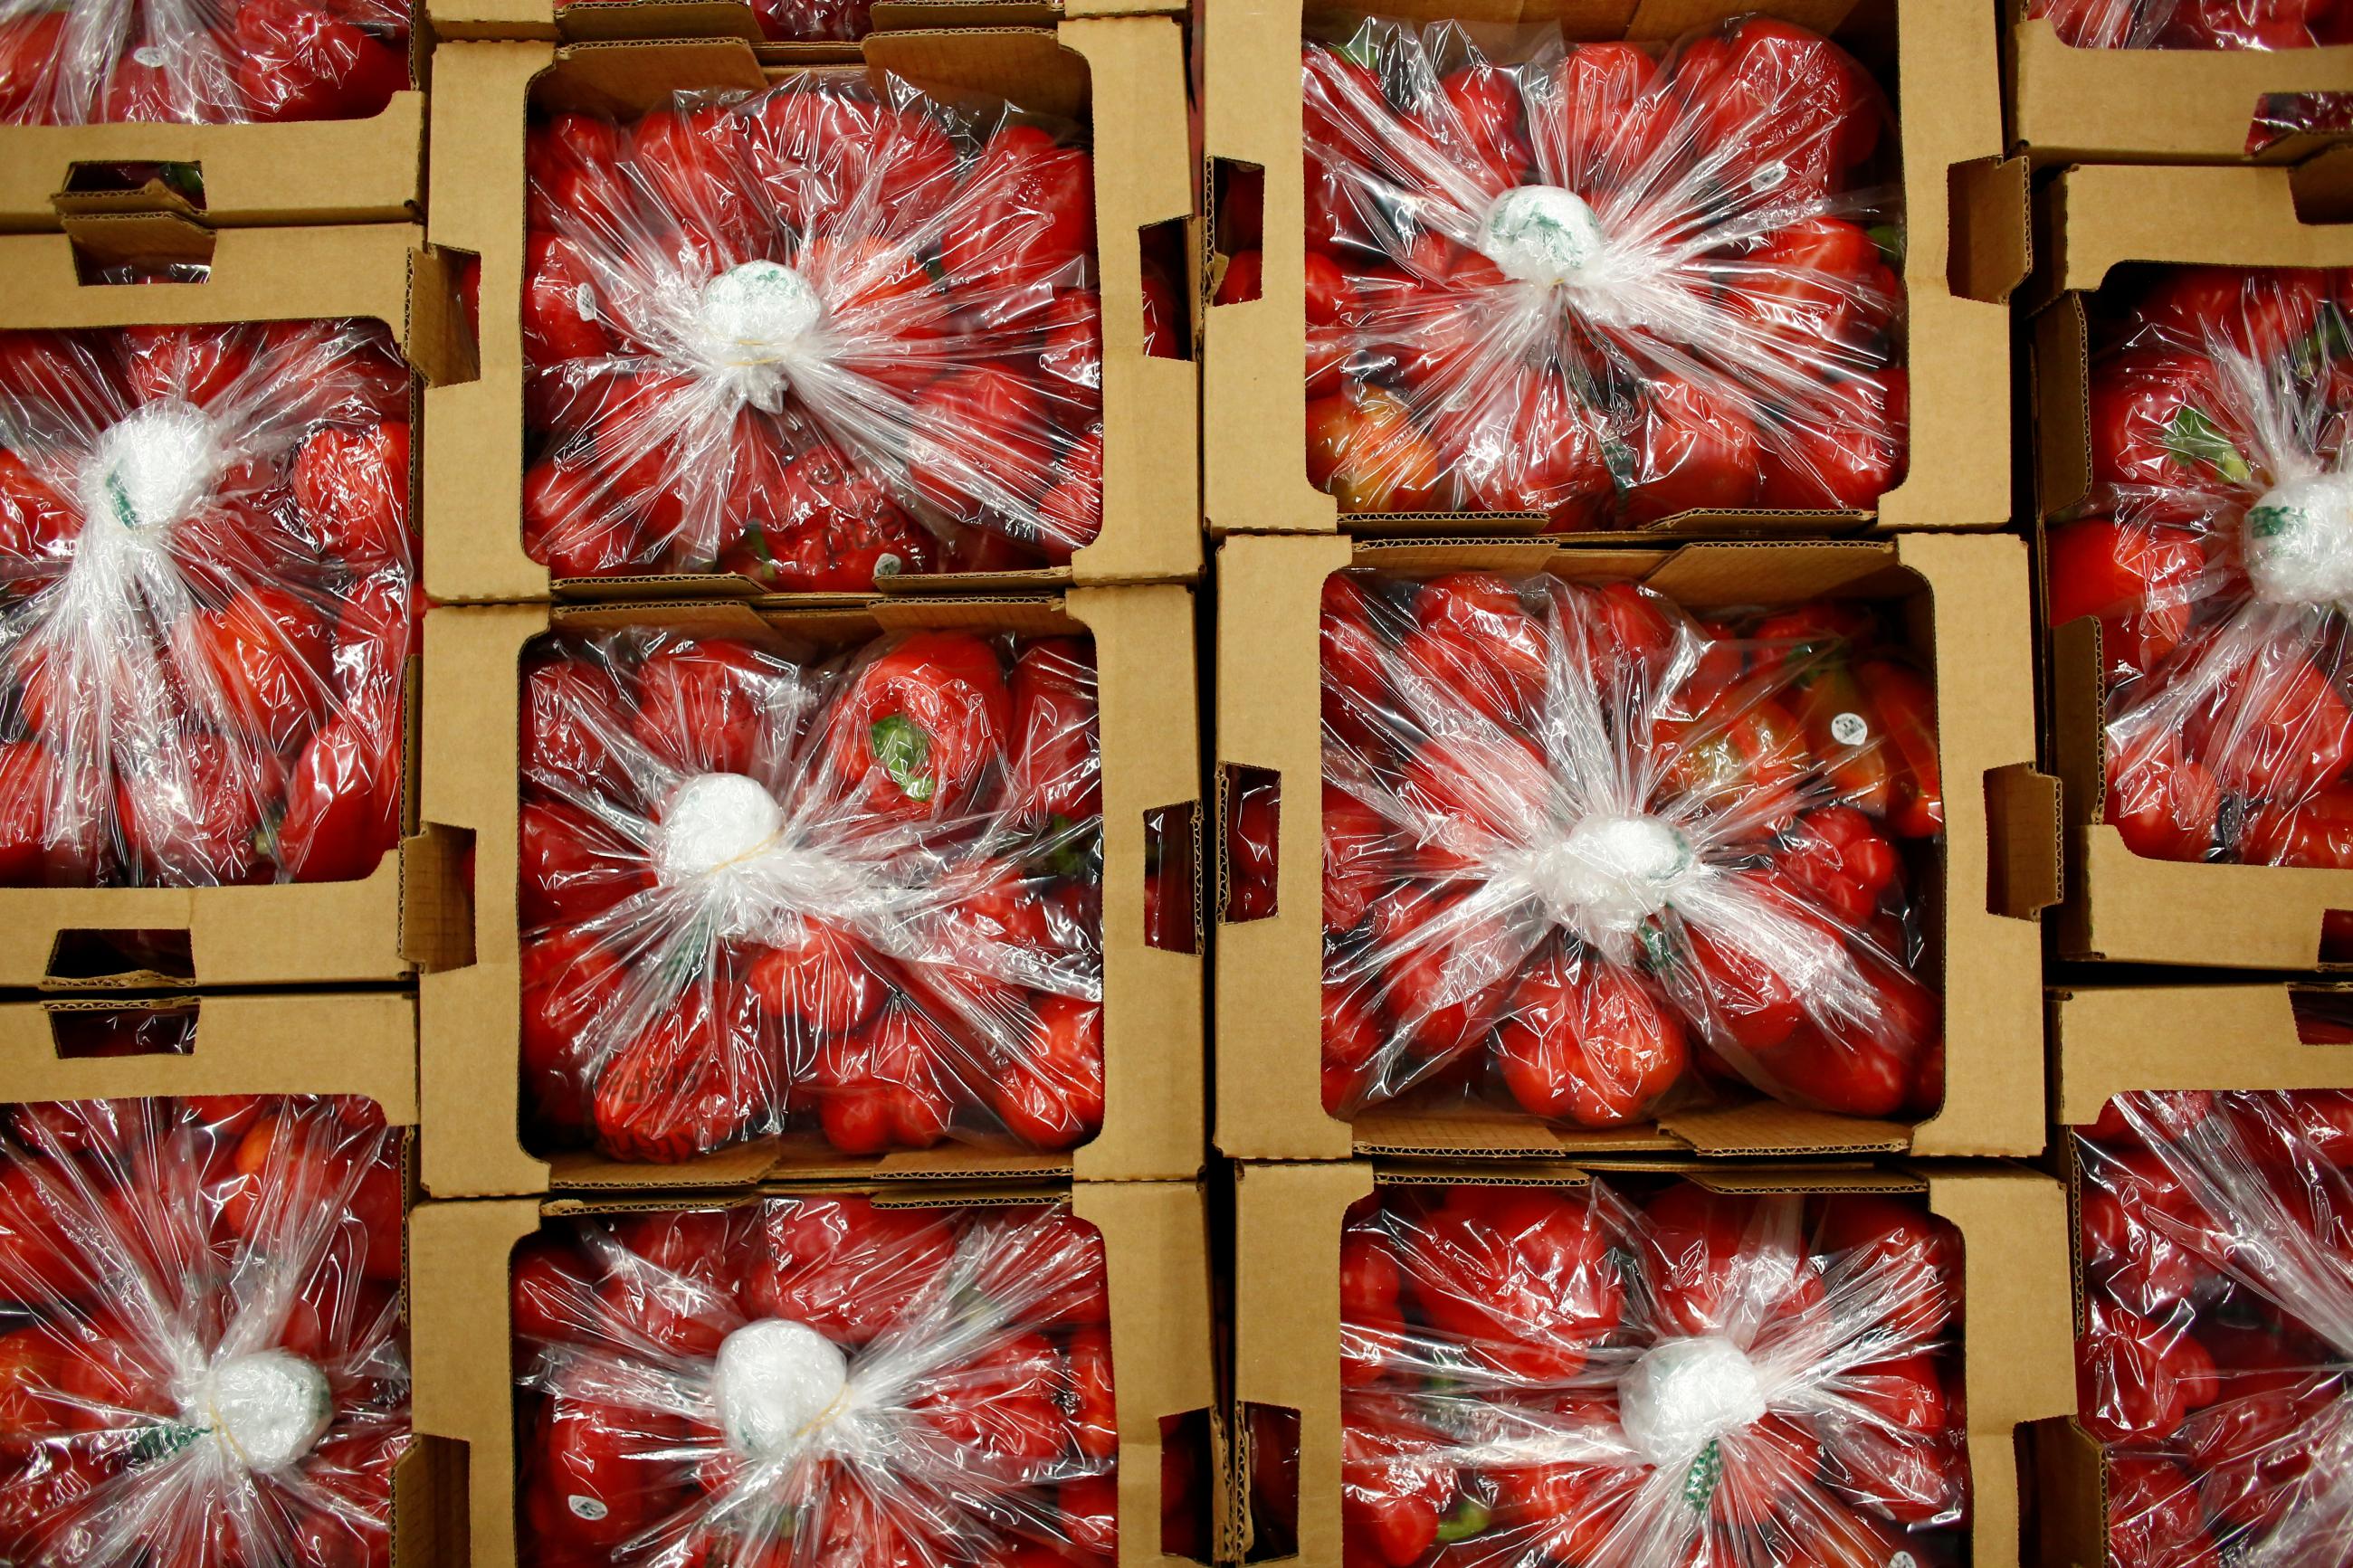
{"x": 2094, "y": 218}
{"x": 1392, "y": 1129}
{"x": 1715, "y": 575}
{"x": 625, "y": 79}
{"x": 2321, "y": 186}
{"x": 2110, "y": 1040}
{"x": 626, "y": 19}
{"x": 1769, "y": 1126}
{"x": 2023, "y": 813}
{"x": 462, "y": 1379}
{"x": 1992, "y": 248}
{"x": 1028, "y": 67}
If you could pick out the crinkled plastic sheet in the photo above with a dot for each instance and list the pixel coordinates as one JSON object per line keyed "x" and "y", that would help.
{"x": 203, "y": 1361}
{"x": 199, "y": 62}
{"x": 765, "y": 890}
{"x": 1584, "y": 852}
{"x": 2195, "y": 24}
{"x": 1643, "y": 1372}
{"x": 2218, "y": 1325}
{"x": 816, "y": 1380}
{"x": 800, "y": 21}
{"x": 1598, "y": 281}
{"x": 206, "y": 602}
{"x": 815, "y": 336}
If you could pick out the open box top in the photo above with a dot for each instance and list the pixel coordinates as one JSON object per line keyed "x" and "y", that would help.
{"x": 1966, "y": 248}
{"x": 466, "y": 941}
{"x": 484, "y": 94}
{"x": 2016, "y": 1356}
{"x": 1962, "y": 606}
{"x": 1155, "y": 1255}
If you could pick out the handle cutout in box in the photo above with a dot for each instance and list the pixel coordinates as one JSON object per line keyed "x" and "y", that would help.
{"x": 129, "y": 1029}
{"x": 138, "y": 247}
{"x": 1271, "y": 1483}
{"x": 1189, "y": 1491}
{"x": 148, "y": 186}
{"x": 1248, "y": 848}
{"x": 1167, "y": 318}
{"x": 98, "y": 954}
{"x": 1172, "y": 881}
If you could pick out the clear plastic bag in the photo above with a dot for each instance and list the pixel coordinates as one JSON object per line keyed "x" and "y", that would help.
{"x": 764, "y": 890}
{"x": 199, "y": 62}
{"x": 2215, "y": 548}
{"x": 2218, "y": 1336}
{"x": 206, "y": 603}
{"x": 799, "y": 21}
{"x": 817, "y": 336}
{"x": 816, "y": 1380}
{"x": 1645, "y": 1372}
{"x": 2195, "y": 24}
{"x": 203, "y": 1363}
{"x": 1587, "y": 282}
{"x": 1582, "y": 852}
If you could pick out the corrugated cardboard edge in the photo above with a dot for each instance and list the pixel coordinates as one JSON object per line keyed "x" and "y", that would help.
{"x": 1136, "y": 66}
{"x": 2124, "y": 106}
{"x": 1255, "y": 411}
{"x": 2094, "y": 217}
{"x": 1999, "y": 858}
{"x": 2016, "y": 1353}
{"x": 1156, "y": 1254}
{"x": 1155, "y": 1087}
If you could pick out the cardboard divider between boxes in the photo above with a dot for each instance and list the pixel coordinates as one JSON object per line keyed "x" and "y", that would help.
{"x": 319, "y": 1042}
{"x": 1966, "y": 248}
{"x": 2119, "y": 905}
{"x": 1965, "y": 607}
{"x": 2107, "y": 1040}
{"x": 2016, "y": 1357}
{"x": 273, "y": 933}
{"x": 1156, "y": 1254}
{"x": 1123, "y": 76}
{"x": 2153, "y": 106}
{"x": 466, "y": 942}
{"x": 581, "y": 21}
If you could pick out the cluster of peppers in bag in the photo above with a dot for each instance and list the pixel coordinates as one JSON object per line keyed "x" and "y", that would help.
{"x": 199, "y": 62}
{"x": 765, "y": 890}
{"x": 201, "y": 1356}
{"x": 1645, "y": 1372}
{"x": 1581, "y": 848}
{"x": 2196, "y": 23}
{"x": 1594, "y": 282}
{"x": 206, "y": 603}
{"x": 2215, "y": 548}
{"x": 799, "y": 21}
{"x": 816, "y": 1380}
{"x": 815, "y": 336}
{"x": 2218, "y": 1325}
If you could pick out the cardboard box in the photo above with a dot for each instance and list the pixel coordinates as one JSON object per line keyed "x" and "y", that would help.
{"x": 1965, "y": 604}
{"x": 361, "y": 1043}
{"x": 300, "y": 172}
{"x": 1965, "y": 222}
{"x": 467, "y": 943}
{"x": 2107, "y": 1040}
{"x": 583, "y": 21}
{"x": 1156, "y": 1250}
{"x": 2070, "y": 105}
{"x": 2119, "y": 905}
{"x": 292, "y": 931}
{"x": 2017, "y": 1361}
{"x": 1125, "y": 77}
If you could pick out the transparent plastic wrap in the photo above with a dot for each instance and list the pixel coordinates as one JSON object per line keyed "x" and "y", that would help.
{"x": 2196, "y": 23}
{"x": 816, "y": 1380}
{"x": 1595, "y": 282}
{"x": 2215, "y": 548}
{"x": 1583, "y": 852}
{"x": 199, "y": 62}
{"x": 817, "y": 336}
{"x": 2218, "y": 1338}
{"x": 1646, "y": 1373}
{"x": 206, "y": 603}
{"x": 766, "y": 892}
{"x": 798, "y": 21}
{"x": 203, "y": 1361}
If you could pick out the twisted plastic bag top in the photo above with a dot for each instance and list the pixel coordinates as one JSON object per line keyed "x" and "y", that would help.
{"x": 2216, "y": 548}
{"x": 816, "y": 1380}
{"x": 206, "y": 602}
{"x": 203, "y": 1361}
{"x": 199, "y": 62}
{"x": 818, "y": 336}
{"x": 764, "y": 890}
{"x": 1579, "y": 281}
{"x": 1581, "y": 848}
{"x": 1650, "y": 1374}
{"x": 2218, "y": 1341}
{"x": 2195, "y": 24}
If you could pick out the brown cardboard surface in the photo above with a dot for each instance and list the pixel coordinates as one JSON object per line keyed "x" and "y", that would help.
{"x": 623, "y": 20}
{"x": 322, "y": 931}
{"x": 2149, "y": 106}
{"x": 303, "y": 172}
{"x": 1156, "y": 1253}
{"x": 2000, "y": 857}
{"x": 1965, "y": 232}
{"x": 2119, "y": 905}
{"x": 1125, "y": 75}
{"x": 468, "y": 948}
{"x": 2017, "y": 1353}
